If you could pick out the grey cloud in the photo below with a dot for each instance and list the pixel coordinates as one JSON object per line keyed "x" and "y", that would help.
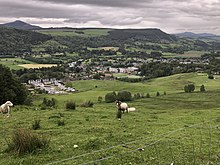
{"x": 109, "y": 3}
{"x": 167, "y": 14}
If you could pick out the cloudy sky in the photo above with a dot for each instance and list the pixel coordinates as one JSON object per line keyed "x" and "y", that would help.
{"x": 172, "y": 16}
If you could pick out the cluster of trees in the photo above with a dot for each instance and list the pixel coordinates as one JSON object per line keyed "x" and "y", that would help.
{"x": 11, "y": 89}
{"x": 156, "y": 69}
{"x": 191, "y": 87}
{"x": 32, "y": 74}
{"x": 121, "y": 95}
{"x": 16, "y": 42}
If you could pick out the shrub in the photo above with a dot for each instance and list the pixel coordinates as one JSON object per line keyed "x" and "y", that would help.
{"x": 24, "y": 141}
{"x": 87, "y": 104}
{"x": 189, "y": 88}
{"x": 158, "y": 94}
{"x": 202, "y": 88}
{"x": 137, "y": 96}
{"x": 110, "y": 97}
{"x": 36, "y": 125}
{"x": 164, "y": 93}
{"x": 49, "y": 103}
{"x": 124, "y": 96}
{"x": 70, "y": 105}
{"x": 100, "y": 99}
{"x": 28, "y": 101}
{"x": 210, "y": 76}
{"x": 60, "y": 123}
{"x": 148, "y": 95}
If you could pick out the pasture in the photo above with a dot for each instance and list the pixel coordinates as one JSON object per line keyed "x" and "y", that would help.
{"x": 74, "y": 32}
{"x": 29, "y": 66}
{"x": 14, "y": 63}
{"x": 178, "y": 127}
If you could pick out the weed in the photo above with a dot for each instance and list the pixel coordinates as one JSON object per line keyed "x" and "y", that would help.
{"x": 24, "y": 141}
{"x": 36, "y": 124}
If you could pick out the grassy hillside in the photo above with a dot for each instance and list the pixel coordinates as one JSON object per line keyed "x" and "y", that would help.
{"x": 75, "y": 32}
{"x": 13, "y": 63}
{"x": 178, "y": 127}
{"x": 15, "y": 41}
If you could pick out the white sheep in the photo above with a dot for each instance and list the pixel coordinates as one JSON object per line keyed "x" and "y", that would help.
{"x": 122, "y": 106}
{"x": 132, "y": 109}
{"x": 5, "y": 108}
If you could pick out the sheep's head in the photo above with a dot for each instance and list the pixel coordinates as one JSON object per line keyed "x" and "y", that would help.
{"x": 118, "y": 103}
{"x": 9, "y": 103}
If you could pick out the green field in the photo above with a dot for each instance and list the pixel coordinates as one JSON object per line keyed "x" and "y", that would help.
{"x": 13, "y": 63}
{"x": 73, "y": 32}
{"x": 178, "y": 127}
{"x": 187, "y": 54}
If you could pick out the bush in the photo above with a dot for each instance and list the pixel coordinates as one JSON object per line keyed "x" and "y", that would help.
{"x": 210, "y": 76}
{"x": 60, "y": 123}
{"x": 36, "y": 125}
{"x": 28, "y": 101}
{"x": 189, "y": 88}
{"x": 49, "y": 103}
{"x": 158, "y": 94}
{"x": 110, "y": 97}
{"x": 100, "y": 99}
{"x": 202, "y": 88}
{"x": 137, "y": 96}
{"x": 70, "y": 105}
{"x": 125, "y": 96}
{"x": 87, "y": 104}
{"x": 164, "y": 93}
{"x": 148, "y": 95}
{"x": 24, "y": 141}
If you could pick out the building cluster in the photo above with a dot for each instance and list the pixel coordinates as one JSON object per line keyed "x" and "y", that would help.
{"x": 50, "y": 86}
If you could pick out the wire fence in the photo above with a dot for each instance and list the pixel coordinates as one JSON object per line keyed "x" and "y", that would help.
{"x": 159, "y": 137}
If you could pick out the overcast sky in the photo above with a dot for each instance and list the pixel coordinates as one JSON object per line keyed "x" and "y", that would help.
{"x": 171, "y": 16}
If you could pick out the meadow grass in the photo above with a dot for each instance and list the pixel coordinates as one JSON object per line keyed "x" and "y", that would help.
{"x": 72, "y": 32}
{"x": 177, "y": 127}
{"x": 13, "y": 63}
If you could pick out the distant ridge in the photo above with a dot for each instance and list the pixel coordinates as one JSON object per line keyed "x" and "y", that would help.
{"x": 21, "y": 25}
{"x": 195, "y": 35}
{"x": 151, "y": 34}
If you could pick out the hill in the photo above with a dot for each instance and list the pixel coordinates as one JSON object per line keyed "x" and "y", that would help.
{"x": 176, "y": 127}
{"x": 15, "y": 41}
{"x": 155, "y": 35}
{"x": 195, "y": 35}
{"x": 21, "y": 25}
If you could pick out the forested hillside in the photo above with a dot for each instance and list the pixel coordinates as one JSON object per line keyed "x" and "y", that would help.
{"x": 15, "y": 41}
{"x": 155, "y": 35}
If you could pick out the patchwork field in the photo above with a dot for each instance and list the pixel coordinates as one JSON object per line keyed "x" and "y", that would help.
{"x": 14, "y": 63}
{"x": 28, "y": 66}
{"x": 178, "y": 127}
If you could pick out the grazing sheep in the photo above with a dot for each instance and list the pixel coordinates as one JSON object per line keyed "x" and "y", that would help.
{"x": 5, "y": 108}
{"x": 122, "y": 106}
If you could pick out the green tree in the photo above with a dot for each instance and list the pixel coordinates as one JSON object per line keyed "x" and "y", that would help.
{"x": 189, "y": 88}
{"x": 124, "y": 96}
{"x": 11, "y": 89}
{"x": 110, "y": 97}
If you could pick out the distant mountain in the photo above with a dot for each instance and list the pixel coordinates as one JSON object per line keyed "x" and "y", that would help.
{"x": 195, "y": 35}
{"x": 142, "y": 34}
{"x": 21, "y": 25}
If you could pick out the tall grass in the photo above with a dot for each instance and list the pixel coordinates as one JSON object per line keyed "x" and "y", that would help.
{"x": 24, "y": 141}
